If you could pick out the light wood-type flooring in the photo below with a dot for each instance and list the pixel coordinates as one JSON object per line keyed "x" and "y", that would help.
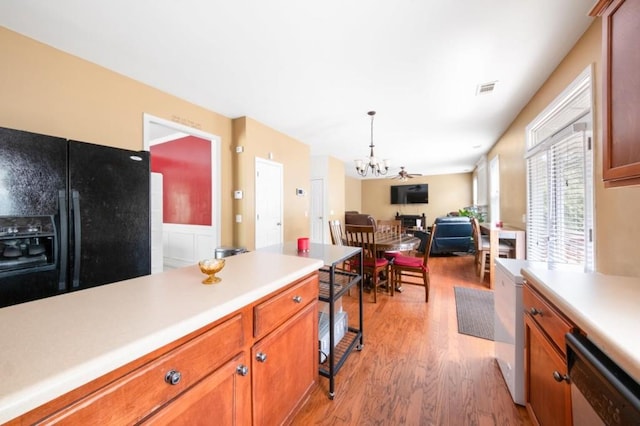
{"x": 415, "y": 368}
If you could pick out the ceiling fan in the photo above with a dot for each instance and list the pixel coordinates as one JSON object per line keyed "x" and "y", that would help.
{"x": 403, "y": 175}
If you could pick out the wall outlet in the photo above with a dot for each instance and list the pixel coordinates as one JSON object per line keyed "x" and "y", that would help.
{"x": 238, "y": 218}
{"x": 237, "y": 195}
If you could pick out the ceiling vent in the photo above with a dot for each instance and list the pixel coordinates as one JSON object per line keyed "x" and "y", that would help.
{"x": 485, "y": 88}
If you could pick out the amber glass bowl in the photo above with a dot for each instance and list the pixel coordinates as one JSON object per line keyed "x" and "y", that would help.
{"x": 211, "y": 267}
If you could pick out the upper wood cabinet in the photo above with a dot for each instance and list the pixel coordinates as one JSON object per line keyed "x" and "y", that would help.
{"x": 620, "y": 90}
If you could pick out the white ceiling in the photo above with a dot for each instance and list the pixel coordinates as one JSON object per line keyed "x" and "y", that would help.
{"x": 313, "y": 70}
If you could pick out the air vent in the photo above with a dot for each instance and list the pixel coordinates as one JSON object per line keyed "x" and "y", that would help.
{"x": 485, "y": 88}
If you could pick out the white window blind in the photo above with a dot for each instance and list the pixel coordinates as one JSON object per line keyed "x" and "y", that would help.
{"x": 560, "y": 182}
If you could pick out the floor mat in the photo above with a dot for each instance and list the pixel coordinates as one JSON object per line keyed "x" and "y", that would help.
{"x": 475, "y": 312}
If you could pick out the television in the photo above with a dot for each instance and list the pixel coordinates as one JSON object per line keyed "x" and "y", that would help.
{"x": 410, "y": 194}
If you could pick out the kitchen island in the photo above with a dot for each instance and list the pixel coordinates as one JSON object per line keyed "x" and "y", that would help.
{"x": 53, "y": 346}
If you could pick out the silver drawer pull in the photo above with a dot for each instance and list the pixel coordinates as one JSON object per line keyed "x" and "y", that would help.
{"x": 242, "y": 370}
{"x": 172, "y": 377}
{"x": 558, "y": 377}
{"x": 261, "y": 356}
{"x": 534, "y": 312}
{"x": 297, "y": 299}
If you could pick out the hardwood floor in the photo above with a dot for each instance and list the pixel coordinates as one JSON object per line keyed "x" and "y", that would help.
{"x": 415, "y": 368}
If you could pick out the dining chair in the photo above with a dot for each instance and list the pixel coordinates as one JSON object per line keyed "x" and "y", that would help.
{"x": 337, "y": 239}
{"x": 412, "y": 270}
{"x": 364, "y": 236}
{"x": 389, "y": 226}
{"x": 482, "y": 245}
{"x": 337, "y": 236}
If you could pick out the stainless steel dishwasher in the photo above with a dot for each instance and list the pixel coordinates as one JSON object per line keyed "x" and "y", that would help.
{"x": 601, "y": 392}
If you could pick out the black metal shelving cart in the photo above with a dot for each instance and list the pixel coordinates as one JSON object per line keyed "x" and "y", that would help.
{"x": 335, "y": 281}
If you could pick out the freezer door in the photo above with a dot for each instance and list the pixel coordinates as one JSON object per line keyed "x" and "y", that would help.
{"x": 33, "y": 171}
{"x": 110, "y": 214}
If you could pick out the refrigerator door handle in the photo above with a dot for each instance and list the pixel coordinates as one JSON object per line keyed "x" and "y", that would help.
{"x": 62, "y": 241}
{"x": 75, "y": 197}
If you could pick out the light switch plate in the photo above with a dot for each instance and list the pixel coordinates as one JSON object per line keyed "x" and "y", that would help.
{"x": 237, "y": 195}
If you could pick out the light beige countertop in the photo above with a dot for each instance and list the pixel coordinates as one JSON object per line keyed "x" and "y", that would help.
{"x": 54, "y": 345}
{"x": 605, "y": 307}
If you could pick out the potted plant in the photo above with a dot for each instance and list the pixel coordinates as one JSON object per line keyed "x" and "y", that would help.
{"x": 472, "y": 211}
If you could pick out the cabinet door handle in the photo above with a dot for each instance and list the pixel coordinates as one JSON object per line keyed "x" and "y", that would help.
{"x": 261, "y": 357}
{"x": 297, "y": 299}
{"x": 242, "y": 370}
{"x": 173, "y": 377}
{"x": 559, "y": 377}
{"x": 534, "y": 312}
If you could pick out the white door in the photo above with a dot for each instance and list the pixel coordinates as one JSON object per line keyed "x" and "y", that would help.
{"x": 268, "y": 203}
{"x": 317, "y": 211}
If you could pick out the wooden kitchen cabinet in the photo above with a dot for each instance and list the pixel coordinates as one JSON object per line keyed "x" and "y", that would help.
{"x": 620, "y": 90}
{"x": 207, "y": 375}
{"x": 224, "y": 395}
{"x": 132, "y": 396}
{"x": 283, "y": 361}
{"x": 284, "y": 368}
{"x": 547, "y": 391}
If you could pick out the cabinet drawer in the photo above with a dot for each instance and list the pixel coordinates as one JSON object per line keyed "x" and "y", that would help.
{"x": 268, "y": 315}
{"x": 137, "y": 394}
{"x": 550, "y": 321}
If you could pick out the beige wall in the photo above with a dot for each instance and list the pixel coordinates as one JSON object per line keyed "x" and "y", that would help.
{"x": 336, "y": 198}
{"x": 446, "y": 193}
{"x": 353, "y": 194}
{"x": 261, "y": 141}
{"x": 616, "y": 235}
{"x": 47, "y": 91}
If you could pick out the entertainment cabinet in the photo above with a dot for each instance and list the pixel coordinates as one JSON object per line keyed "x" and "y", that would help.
{"x": 409, "y": 220}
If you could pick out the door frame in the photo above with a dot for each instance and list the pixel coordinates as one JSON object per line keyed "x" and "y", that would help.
{"x": 158, "y": 130}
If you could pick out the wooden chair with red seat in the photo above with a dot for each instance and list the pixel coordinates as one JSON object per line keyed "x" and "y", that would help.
{"x": 364, "y": 236}
{"x": 412, "y": 270}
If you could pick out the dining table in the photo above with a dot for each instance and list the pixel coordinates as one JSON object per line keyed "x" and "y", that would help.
{"x": 387, "y": 241}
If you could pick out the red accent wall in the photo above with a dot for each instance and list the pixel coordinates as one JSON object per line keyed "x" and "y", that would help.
{"x": 186, "y": 165}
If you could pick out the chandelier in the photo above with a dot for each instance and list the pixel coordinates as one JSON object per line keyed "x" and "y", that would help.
{"x": 372, "y": 164}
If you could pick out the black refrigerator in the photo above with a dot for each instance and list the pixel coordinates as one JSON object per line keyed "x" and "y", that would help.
{"x": 73, "y": 215}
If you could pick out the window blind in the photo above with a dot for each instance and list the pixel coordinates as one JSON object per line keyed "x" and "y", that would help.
{"x": 559, "y": 223}
{"x": 559, "y": 162}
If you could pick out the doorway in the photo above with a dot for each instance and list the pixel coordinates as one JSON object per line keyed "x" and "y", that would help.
{"x": 185, "y": 240}
{"x": 317, "y": 211}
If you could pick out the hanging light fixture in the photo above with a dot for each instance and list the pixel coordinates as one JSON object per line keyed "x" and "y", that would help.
{"x": 372, "y": 164}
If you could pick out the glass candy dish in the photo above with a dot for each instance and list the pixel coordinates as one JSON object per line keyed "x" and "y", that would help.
{"x": 211, "y": 267}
